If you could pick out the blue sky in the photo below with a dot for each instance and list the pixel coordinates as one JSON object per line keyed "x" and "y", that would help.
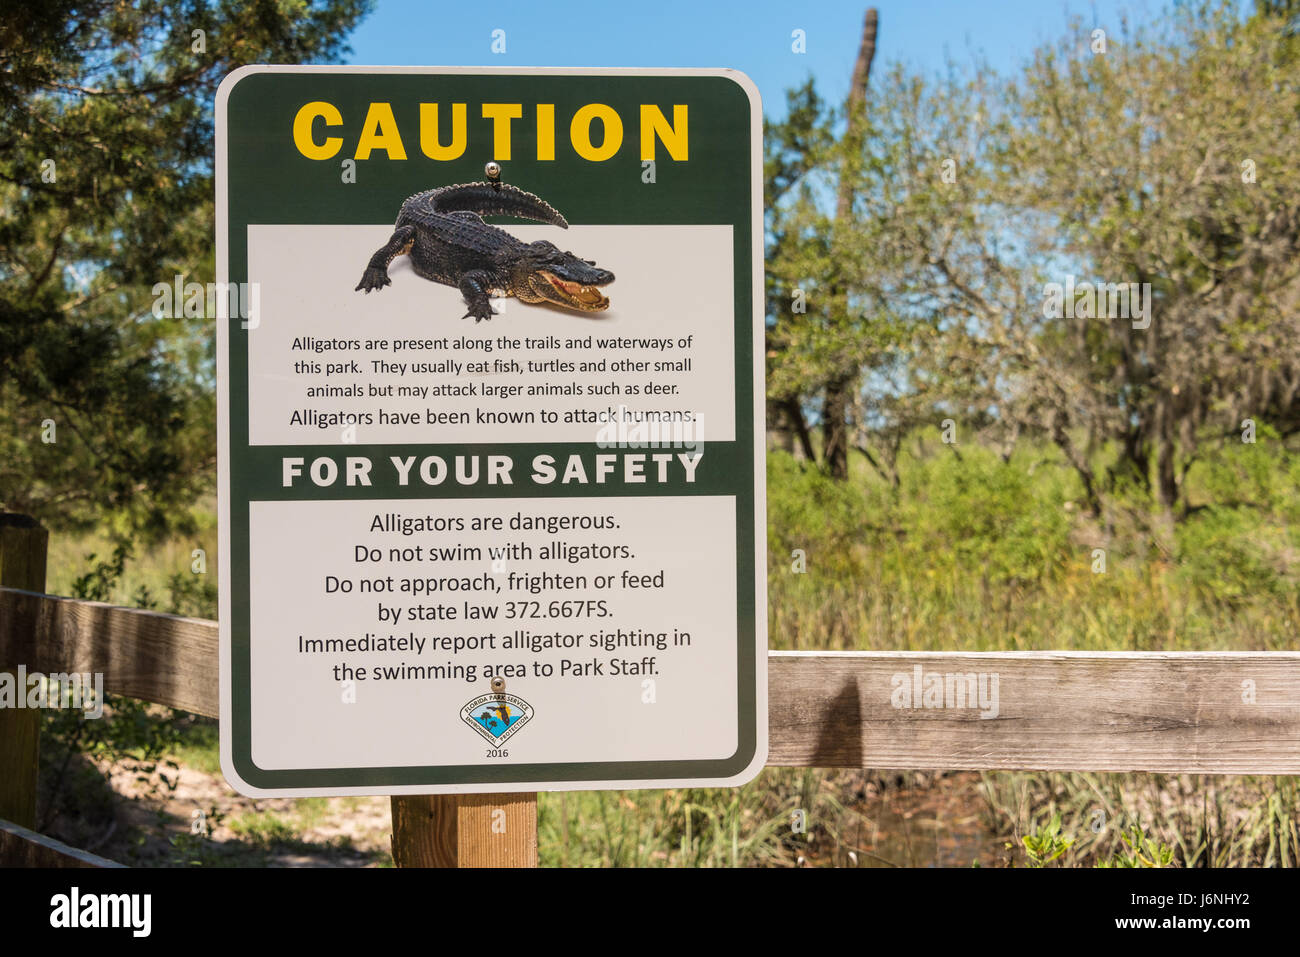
{"x": 751, "y": 36}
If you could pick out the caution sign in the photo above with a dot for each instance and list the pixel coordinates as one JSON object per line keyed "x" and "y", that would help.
{"x": 490, "y": 430}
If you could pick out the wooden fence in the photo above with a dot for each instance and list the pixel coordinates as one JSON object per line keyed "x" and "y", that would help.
{"x": 1201, "y": 712}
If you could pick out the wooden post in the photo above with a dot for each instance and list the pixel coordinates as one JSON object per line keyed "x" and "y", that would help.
{"x": 465, "y": 830}
{"x": 22, "y": 565}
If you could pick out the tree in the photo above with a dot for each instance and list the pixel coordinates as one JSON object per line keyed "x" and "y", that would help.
{"x": 801, "y": 265}
{"x": 922, "y": 250}
{"x": 1161, "y": 161}
{"x": 839, "y": 389}
{"x": 1168, "y": 161}
{"x": 106, "y": 184}
{"x": 792, "y": 149}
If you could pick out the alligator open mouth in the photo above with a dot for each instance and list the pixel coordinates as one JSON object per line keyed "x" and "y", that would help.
{"x": 575, "y": 294}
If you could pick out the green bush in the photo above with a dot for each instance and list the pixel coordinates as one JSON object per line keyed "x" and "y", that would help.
{"x": 1233, "y": 555}
{"x": 983, "y": 518}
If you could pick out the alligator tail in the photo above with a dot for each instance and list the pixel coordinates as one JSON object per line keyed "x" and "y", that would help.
{"x": 490, "y": 199}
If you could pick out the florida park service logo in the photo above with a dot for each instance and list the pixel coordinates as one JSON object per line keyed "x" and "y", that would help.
{"x": 497, "y": 716}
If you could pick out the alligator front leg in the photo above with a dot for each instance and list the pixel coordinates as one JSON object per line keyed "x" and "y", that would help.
{"x": 376, "y": 274}
{"x": 474, "y": 287}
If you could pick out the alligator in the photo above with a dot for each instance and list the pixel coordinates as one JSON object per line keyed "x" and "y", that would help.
{"x": 443, "y": 232}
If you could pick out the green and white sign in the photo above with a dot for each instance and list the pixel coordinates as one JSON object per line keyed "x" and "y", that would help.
{"x": 490, "y": 430}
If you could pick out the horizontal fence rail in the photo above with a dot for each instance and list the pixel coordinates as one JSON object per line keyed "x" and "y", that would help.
{"x": 1198, "y": 712}
{"x": 21, "y": 847}
{"x": 1207, "y": 712}
{"x": 142, "y": 654}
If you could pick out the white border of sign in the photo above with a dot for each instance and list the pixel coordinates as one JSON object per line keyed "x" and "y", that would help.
{"x": 759, "y": 433}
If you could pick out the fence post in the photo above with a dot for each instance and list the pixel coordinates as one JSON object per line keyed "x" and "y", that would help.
{"x": 465, "y": 830}
{"x": 23, "y": 545}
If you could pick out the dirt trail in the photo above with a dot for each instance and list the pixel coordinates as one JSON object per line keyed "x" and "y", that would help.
{"x": 205, "y": 822}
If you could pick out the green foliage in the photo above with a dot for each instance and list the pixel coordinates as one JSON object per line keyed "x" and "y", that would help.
{"x": 1260, "y": 474}
{"x": 928, "y": 291}
{"x": 951, "y": 516}
{"x": 980, "y": 554}
{"x": 979, "y": 513}
{"x": 191, "y": 595}
{"x": 264, "y": 828}
{"x": 807, "y": 509}
{"x": 1239, "y": 546}
{"x": 690, "y": 827}
{"x": 1140, "y": 851}
{"x": 98, "y": 583}
{"x": 106, "y": 186}
{"x": 194, "y": 847}
{"x": 131, "y": 733}
{"x": 1235, "y": 556}
{"x": 1045, "y": 844}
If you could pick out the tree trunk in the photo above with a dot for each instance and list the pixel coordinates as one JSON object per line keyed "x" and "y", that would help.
{"x": 786, "y": 425}
{"x": 1167, "y": 475}
{"x": 799, "y": 425}
{"x": 835, "y": 431}
{"x": 1135, "y": 460}
{"x": 835, "y": 428}
{"x": 858, "y": 97}
{"x": 779, "y": 433}
{"x": 1080, "y": 463}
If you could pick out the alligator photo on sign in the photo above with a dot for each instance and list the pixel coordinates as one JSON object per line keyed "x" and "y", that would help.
{"x": 443, "y": 232}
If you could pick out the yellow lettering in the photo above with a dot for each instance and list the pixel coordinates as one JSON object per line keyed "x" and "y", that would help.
{"x": 430, "y": 145}
{"x": 379, "y": 132}
{"x": 501, "y": 114}
{"x": 302, "y": 125}
{"x": 546, "y": 131}
{"x": 654, "y": 123}
{"x": 580, "y": 132}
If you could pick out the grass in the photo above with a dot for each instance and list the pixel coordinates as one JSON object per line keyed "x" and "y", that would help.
{"x": 265, "y": 828}
{"x": 151, "y": 571}
{"x": 1126, "y": 609}
{"x": 1205, "y": 821}
{"x": 687, "y": 827}
{"x": 975, "y": 555}
{"x": 200, "y": 748}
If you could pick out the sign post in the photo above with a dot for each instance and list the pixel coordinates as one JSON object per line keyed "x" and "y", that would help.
{"x": 491, "y": 463}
